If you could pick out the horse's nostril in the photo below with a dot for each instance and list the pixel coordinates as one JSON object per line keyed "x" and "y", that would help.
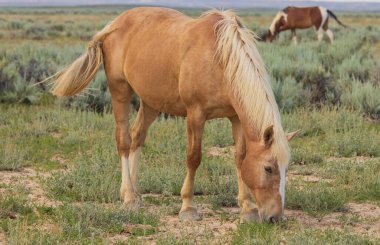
{"x": 272, "y": 219}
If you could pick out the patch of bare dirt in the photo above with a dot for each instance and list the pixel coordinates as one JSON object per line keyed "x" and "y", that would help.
{"x": 215, "y": 151}
{"x": 58, "y": 158}
{"x": 211, "y": 222}
{"x": 216, "y": 226}
{"x": 361, "y": 218}
{"x": 307, "y": 178}
{"x": 211, "y": 227}
{"x": 2, "y": 237}
{"x": 56, "y": 134}
{"x": 27, "y": 178}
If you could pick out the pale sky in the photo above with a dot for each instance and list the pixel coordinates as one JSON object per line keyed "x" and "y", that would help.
{"x": 157, "y": 1}
{"x": 344, "y": 1}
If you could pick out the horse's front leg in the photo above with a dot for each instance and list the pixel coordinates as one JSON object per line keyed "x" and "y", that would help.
{"x": 195, "y": 124}
{"x": 248, "y": 210}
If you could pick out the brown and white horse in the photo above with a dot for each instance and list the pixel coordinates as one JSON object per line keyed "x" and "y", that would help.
{"x": 292, "y": 18}
{"x": 202, "y": 69}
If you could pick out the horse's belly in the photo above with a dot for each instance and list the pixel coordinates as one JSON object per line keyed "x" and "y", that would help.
{"x": 166, "y": 98}
{"x": 161, "y": 96}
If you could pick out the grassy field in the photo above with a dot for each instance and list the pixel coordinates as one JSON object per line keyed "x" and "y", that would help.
{"x": 59, "y": 173}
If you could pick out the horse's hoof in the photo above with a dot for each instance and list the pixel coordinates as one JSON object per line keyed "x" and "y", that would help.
{"x": 189, "y": 214}
{"x": 133, "y": 204}
{"x": 249, "y": 216}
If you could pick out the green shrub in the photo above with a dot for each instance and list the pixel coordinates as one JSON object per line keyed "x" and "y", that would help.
{"x": 289, "y": 95}
{"x": 363, "y": 97}
{"x": 21, "y": 93}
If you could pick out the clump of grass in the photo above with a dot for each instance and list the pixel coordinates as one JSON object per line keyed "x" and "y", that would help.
{"x": 361, "y": 180}
{"x": 314, "y": 236}
{"x": 98, "y": 169}
{"x": 359, "y": 141}
{"x": 20, "y": 232}
{"x": 257, "y": 233}
{"x": 14, "y": 202}
{"x": 315, "y": 198}
{"x": 91, "y": 220}
{"x": 226, "y": 195}
{"x": 306, "y": 155}
{"x": 218, "y": 133}
{"x": 163, "y": 160}
{"x": 12, "y": 156}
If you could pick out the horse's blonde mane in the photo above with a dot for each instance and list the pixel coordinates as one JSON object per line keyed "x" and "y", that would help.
{"x": 272, "y": 26}
{"x": 247, "y": 76}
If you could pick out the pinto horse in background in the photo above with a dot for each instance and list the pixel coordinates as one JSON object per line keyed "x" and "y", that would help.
{"x": 292, "y": 18}
{"x": 202, "y": 69}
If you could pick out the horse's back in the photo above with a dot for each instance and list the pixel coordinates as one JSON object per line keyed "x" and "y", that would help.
{"x": 302, "y": 17}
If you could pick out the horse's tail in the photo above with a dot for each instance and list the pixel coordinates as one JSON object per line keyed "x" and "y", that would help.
{"x": 330, "y": 13}
{"x": 74, "y": 78}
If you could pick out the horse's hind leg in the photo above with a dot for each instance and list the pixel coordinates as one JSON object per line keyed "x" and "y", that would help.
{"x": 328, "y": 31}
{"x": 195, "y": 124}
{"x": 294, "y": 37}
{"x": 121, "y": 94}
{"x": 144, "y": 119}
{"x": 320, "y": 35}
{"x": 248, "y": 210}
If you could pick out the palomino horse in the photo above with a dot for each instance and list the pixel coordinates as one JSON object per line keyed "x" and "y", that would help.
{"x": 198, "y": 68}
{"x": 292, "y": 18}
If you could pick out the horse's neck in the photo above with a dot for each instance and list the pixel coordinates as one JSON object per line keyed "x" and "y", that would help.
{"x": 250, "y": 130}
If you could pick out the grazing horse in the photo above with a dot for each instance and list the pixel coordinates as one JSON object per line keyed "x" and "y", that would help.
{"x": 292, "y": 18}
{"x": 201, "y": 69}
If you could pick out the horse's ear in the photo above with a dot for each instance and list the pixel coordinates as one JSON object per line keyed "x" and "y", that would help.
{"x": 291, "y": 135}
{"x": 268, "y": 136}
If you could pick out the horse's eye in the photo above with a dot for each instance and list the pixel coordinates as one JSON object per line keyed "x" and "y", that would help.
{"x": 268, "y": 169}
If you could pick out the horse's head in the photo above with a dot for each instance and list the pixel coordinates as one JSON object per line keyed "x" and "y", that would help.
{"x": 265, "y": 176}
{"x": 269, "y": 36}
{"x": 276, "y": 26}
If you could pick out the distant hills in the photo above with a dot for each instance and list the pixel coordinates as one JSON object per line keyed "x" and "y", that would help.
{"x": 271, "y": 4}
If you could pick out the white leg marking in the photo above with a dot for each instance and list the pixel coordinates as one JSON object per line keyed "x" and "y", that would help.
{"x": 282, "y": 185}
{"x": 134, "y": 163}
{"x": 324, "y": 15}
{"x": 125, "y": 175}
{"x": 295, "y": 41}
{"x": 320, "y": 34}
{"x": 330, "y": 35}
